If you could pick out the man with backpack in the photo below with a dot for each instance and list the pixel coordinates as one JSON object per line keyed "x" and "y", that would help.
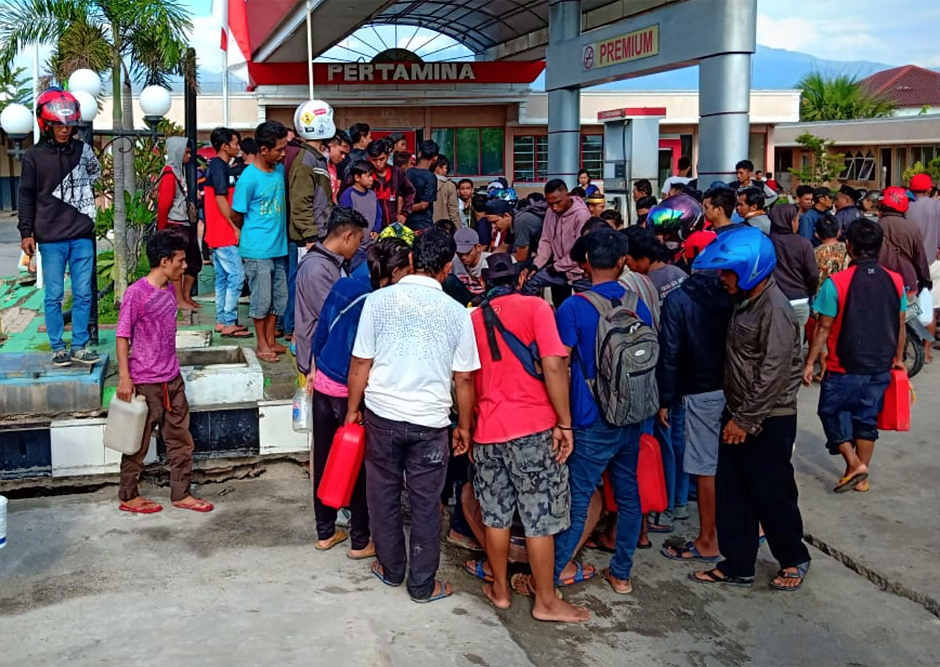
{"x": 520, "y": 463}
{"x": 614, "y": 349}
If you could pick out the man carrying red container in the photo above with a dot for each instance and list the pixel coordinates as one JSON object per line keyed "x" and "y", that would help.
{"x": 861, "y": 326}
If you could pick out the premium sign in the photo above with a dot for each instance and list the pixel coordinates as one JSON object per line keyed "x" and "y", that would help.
{"x": 623, "y": 48}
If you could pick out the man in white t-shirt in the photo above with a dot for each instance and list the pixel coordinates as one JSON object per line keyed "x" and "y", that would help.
{"x": 682, "y": 178}
{"x": 413, "y": 341}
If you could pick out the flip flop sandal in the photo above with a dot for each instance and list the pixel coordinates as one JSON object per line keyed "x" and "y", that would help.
{"x": 605, "y": 573}
{"x": 369, "y": 554}
{"x": 434, "y": 598}
{"x": 580, "y": 576}
{"x": 464, "y": 542}
{"x": 800, "y": 574}
{"x": 690, "y": 549}
{"x": 861, "y": 487}
{"x": 269, "y": 357}
{"x": 642, "y": 545}
{"x": 595, "y": 543}
{"x": 380, "y": 575}
{"x": 712, "y": 578}
{"x": 847, "y": 482}
{"x": 146, "y": 508}
{"x": 203, "y": 506}
{"x": 339, "y": 537}
{"x": 477, "y": 571}
{"x": 520, "y": 583}
{"x": 240, "y": 333}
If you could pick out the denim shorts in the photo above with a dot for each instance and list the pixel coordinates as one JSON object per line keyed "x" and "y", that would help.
{"x": 702, "y": 432}
{"x": 849, "y": 405}
{"x": 267, "y": 280}
{"x": 522, "y": 474}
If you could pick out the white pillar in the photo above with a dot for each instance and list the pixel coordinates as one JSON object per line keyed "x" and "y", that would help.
{"x": 724, "y": 107}
{"x": 564, "y": 106}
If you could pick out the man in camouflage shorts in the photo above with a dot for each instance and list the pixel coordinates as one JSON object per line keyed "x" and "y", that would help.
{"x": 522, "y": 438}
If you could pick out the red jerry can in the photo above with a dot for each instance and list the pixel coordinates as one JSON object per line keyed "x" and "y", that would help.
{"x": 896, "y": 413}
{"x": 650, "y": 477}
{"x": 343, "y": 466}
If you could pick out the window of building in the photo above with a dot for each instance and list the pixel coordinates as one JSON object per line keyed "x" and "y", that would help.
{"x": 858, "y": 166}
{"x": 530, "y": 157}
{"x": 473, "y": 151}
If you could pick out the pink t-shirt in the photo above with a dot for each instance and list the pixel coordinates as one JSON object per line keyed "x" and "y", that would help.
{"x": 328, "y": 387}
{"x": 511, "y": 403}
{"x": 148, "y": 320}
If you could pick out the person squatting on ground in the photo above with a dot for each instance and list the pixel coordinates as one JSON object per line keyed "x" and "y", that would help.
{"x": 148, "y": 366}
{"x": 57, "y": 213}
{"x": 755, "y": 485}
{"x": 388, "y": 261}
{"x": 413, "y": 342}
{"x": 860, "y": 336}
{"x": 520, "y": 462}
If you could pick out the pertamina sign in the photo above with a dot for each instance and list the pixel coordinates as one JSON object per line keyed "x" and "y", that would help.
{"x": 638, "y": 44}
{"x": 396, "y": 74}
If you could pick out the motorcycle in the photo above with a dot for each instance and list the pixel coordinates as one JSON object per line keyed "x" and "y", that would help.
{"x": 917, "y": 333}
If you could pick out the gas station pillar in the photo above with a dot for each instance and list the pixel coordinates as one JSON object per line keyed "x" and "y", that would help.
{"x": 724, "y": 107}
{"x": 564, "y": 105}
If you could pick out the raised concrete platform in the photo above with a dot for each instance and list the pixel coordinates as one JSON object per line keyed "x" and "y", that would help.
{"x": 30, "y": 386}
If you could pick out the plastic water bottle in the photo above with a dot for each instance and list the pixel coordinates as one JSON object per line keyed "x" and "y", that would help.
{"x": 302, "y": 414}
{"x": 3, "y": 521}
{"x": 124, "y": 429}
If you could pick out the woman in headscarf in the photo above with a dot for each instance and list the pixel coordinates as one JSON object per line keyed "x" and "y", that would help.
{"x": 175, "y": 212}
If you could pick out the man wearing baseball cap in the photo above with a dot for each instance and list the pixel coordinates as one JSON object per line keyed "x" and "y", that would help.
{"x": 465, "y": 282}
{"x": 822, "y": 204}
{"x": 500, "y": 214}
{"x": 847, "y": 209}
{"x": 924, "y": 212}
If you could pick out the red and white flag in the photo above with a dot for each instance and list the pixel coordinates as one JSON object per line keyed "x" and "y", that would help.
{"x": 235, "y": 42}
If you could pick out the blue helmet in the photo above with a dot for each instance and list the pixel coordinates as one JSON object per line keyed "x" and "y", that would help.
{"x": 747, "y": 251}
{"x": 506, "y": 194}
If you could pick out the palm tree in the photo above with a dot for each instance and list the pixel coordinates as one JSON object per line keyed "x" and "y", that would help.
{"x": 839, "y": 97}
{"x": 150, "y": 35}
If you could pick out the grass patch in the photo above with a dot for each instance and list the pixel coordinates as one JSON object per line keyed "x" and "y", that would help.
{"x": 43, "y": 347}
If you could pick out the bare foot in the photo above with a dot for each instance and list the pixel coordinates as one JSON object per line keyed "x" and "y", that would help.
{"x": 194, "y": 304}
{"x": 183, "y": 305}
{"x": 278, "y": 349}
{"x": 558, "y": 611}
{"x": 360, "y": 554}
{"x": 500, "y": 599}
{"x": 267, "y": 355}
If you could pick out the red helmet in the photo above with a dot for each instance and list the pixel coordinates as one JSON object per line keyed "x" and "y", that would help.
{"x": 895, "y": 198}
{"x": 57, "y": 107}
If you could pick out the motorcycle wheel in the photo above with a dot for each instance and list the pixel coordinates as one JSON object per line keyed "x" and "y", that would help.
{"x": 913, "y": 354}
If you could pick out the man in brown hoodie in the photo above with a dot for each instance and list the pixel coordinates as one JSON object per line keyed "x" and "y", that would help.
{"x": 903, "y": 247}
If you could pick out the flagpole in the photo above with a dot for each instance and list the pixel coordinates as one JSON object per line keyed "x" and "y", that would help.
{"x": 226, "y": 112}
{"x": 35, "y": 89}
{"x": 310, "y": 49}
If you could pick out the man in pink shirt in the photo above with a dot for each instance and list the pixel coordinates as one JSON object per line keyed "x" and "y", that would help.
{"x": 147, "y": 324}
{"x": 553, "y": 266}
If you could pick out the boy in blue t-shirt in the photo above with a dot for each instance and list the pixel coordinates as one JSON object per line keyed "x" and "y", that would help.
{"x": 260, "y": 209}
{"x": 598, "y": 446}
{"x": 362, "y": 198}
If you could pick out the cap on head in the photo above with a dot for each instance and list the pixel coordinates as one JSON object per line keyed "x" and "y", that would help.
{"x": 498, "y": 207}
{"x": 466, "y": 239}
{"x": 595, "y": 198}
{"x": 921, "y": 183}
{"x": 850, "y": 192}
{"x": 500, "y": 265}
{"x": 313, "y": 121}
{"x": 821, "y": 192}
{"x": 895, "y": 198}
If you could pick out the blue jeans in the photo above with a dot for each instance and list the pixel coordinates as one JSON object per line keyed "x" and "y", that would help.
{"x": 286, "y": 323}
{"x": 672, "y": 445}
{"x": 229, "y": 278}
{"x": 597, "y": 448}
{"x": 79, "y": 256}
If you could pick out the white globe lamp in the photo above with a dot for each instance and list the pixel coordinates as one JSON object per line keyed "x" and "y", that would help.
{"x": 155, "y": 102}
{"x": 88, "y": 104}
{"x": 17, "y": 121}
{"x": 86, "y": 81}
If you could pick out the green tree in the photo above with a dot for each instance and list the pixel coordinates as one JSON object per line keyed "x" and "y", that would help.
{"x": 839, "y": 97}
{"x": 144, "y": 40}
{"x": 824, "y": 167}
{"x": 932, "y": 168}
{"x": 14, "y": 87}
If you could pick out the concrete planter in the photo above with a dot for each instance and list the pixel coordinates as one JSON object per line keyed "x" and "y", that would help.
{"x": 221, "y": 376}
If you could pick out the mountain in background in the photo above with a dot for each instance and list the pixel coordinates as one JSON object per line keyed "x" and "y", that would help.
{"x": 771, "y": 69}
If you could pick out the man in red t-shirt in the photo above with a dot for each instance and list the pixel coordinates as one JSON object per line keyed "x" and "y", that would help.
{"x": 523, "y": 436}
{"x": 222, "y": 235}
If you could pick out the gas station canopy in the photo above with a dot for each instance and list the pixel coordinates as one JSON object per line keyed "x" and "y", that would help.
{"x": 495, "y": 29}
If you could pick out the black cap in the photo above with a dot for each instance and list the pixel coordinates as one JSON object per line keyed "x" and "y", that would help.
{"x": 850, "y": 192}
{"x": 822, "y": 192}
{"x": 500, "y": 265}
{"x": 498, "y": 207}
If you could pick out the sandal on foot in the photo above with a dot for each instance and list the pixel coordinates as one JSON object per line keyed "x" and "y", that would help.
{"x": 475, "y": 568}
{"x": 463, "y": 541}
{"x": 687, "y": 552}
{"x": 800, "y": 574}
{"x": 379, "y": 572}
{"x": 861, "y": 487}
{"x": 715, "y": 576}
{"x": 149, "y": 507}
{"x": 199, "y": 505}
{"x": 579, "y": 576}
{"x": 236, "y": 332}
{"x": 338, "y": 537}
{"x": 655, "y": 527}
{"x": 522, "y": 584}
{"x": 644, "y": 545}
{"x": 434, "y": 598}
{"x": 368, "y": 552}
{"x": 605, "y": 573}
{"x": 847, "y": 482}
{"x": 269, "y": 357}
{"x": 594, "y": 542}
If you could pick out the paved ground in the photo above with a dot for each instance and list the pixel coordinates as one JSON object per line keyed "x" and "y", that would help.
{"x": 9, "y": 244}
{"x": 83, "y": 584}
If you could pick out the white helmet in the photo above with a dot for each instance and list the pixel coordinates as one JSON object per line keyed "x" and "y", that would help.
{"x": 314, "y": 120}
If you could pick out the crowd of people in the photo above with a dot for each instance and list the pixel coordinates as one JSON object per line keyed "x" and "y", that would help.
{"x": 515, "y": 353}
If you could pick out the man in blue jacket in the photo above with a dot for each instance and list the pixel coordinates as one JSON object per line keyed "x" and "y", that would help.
{"x": 692, "y": 339}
